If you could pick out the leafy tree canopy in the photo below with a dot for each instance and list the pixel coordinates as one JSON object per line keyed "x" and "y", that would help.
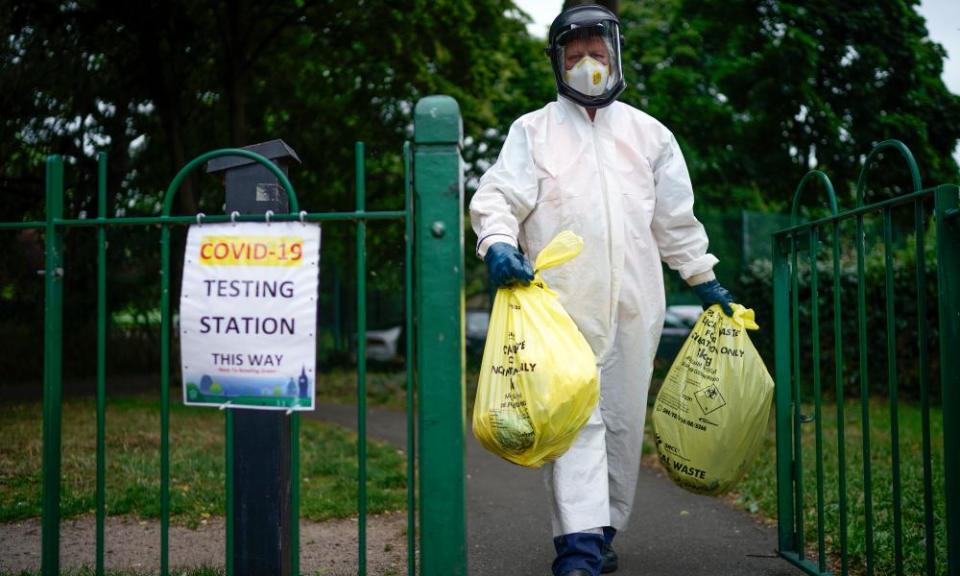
{"x": 759, "y": 92}
{"x": 158, "y": 82}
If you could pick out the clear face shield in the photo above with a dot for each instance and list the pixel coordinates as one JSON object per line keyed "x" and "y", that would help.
{"x": 588, "y": 60}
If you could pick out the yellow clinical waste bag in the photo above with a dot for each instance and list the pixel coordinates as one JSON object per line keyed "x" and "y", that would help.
{"x": 538, "y": 380}
{"x": 711, "y": 413}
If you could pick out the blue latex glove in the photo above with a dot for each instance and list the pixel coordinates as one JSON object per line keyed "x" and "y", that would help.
{"x": 507, "y": 265}
{"x": 713, "y": 293}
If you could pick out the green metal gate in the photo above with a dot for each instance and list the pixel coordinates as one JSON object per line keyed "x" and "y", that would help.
{"x": 843, "y": 530}
{"x": 433, "y": 217}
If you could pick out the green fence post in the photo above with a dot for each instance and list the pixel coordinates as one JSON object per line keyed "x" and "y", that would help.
{"x": 438, "y": 208}
{"x": 783, "y": 392}
{"x": 948, "y": 263}
{"x": 52, "y": 370}
{"x": 408, "y": 360}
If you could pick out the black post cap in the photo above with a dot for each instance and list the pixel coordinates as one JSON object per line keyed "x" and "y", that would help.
{"x": 276, "y": 150}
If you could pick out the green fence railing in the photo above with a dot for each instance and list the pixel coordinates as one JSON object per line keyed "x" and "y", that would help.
{"x": 881, "y": 333}
{"x": 433, "y": 284}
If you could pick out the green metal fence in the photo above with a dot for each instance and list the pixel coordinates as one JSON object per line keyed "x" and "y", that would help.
{"x": 432, "y": 212}
{"x": 917, "y": 531}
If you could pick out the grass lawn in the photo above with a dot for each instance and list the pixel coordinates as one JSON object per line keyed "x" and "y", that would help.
{"x": 757, "y": 492}
{"x": 328, "y": 463}
{"x": 386, "y": 389}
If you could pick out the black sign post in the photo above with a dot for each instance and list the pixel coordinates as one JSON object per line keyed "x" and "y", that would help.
{"x": 261, "y": 438}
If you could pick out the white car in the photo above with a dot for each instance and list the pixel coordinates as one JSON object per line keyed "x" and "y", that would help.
{"x": 383, "y": 345}
{"x": 477, "y": 321}
{"x": 677, "y": 322}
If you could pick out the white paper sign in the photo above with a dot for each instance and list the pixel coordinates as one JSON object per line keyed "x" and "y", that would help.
{"x": 248, "y": 315}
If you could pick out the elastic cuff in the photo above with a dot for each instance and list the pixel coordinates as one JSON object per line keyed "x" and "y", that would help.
{"x": 701, "y": 278}
{"x": 697, "y": 266}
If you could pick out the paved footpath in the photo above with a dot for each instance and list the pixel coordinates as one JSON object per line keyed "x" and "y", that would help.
{"x": 672, "y": 532}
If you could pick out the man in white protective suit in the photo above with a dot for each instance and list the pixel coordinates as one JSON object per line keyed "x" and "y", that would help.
{"x": 615, "y": 176}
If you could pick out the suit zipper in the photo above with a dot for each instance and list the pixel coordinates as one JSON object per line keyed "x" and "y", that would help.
{"x": 609, "y": 217}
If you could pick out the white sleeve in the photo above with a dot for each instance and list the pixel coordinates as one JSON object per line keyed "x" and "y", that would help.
{"x": 507, "y": 193}
{"x": 680, "y": 237}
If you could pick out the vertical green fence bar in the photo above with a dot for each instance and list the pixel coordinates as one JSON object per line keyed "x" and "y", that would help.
{"x": 783, "y": 390}
{"x": 408, "y": 360}
{"x": 864, "y": 395}
{"x": 948, "y": 262}
{"x": 817, "y": 392}
{"x": 361, "y": 360}
{"x": 841, "y": 419}
{"x": 924, "y": 376}
{"x": 52, "y": 368}
{"x": 438, "y": 236}
{"x": 892, "y": 381}
{"x": 797, "y": 408}
{"x": 101, "y": 354}
{"x": 165, "y": 400}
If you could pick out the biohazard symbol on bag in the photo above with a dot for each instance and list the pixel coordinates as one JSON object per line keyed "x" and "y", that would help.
{"x": 538, "y": 380}
{"x": 711, "y": 413}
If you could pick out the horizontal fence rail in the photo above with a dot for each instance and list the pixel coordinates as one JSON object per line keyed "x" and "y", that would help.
{"x": 885, "y": 542}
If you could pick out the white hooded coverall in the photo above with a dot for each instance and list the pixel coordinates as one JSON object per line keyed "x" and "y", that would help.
{"x": 621, "y": 183}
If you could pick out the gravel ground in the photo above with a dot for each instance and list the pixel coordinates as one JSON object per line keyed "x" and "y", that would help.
{"x": 327, "y": 548}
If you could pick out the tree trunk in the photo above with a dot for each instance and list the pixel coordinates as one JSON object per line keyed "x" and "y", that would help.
{"x": 156, "y": 27}
{"x": 186, "y": 200}
{"x": 238, "y": 108}
{"x": 235, "y": 66}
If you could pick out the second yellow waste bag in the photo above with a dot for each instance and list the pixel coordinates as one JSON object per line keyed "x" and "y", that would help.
{"x": 711, "y": 413}
{"x": 538, "y": 380}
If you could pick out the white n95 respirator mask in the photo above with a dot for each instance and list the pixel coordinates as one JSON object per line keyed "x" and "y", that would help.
{"x": 588, "y": 76}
